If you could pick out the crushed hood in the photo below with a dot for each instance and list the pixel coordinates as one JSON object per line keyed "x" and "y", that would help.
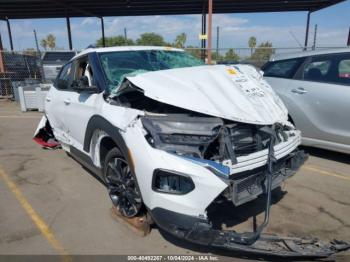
{"x": 237, "y": 93}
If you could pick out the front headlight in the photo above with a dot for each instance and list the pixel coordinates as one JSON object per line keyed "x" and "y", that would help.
{"x": 165, "y": 181}
{"x": 182, "y": 134}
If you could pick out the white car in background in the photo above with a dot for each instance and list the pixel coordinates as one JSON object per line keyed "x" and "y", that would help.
{"x": 172, "y": 137}
{"x": 315, "y": 87}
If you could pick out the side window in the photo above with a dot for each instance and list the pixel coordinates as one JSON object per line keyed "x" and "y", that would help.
{"x": 343, "y": 75}
{"x": 333, "y": 68}
{"x": 65, "y": 78}
{"x": 318, "y": 69}
{"x": 84, "y": 70}
{"x": 283, "y": 68}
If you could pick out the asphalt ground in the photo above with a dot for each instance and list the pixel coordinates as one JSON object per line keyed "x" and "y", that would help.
{"x": 50, "y": 205}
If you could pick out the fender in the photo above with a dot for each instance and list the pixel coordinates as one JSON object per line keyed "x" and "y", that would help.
{"x": 98, "y": 122}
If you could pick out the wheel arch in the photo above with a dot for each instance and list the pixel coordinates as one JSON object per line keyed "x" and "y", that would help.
{"x": 111, "y": 138}
{"x": 106, "y": 144}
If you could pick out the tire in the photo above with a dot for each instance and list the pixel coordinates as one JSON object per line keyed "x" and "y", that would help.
{"x": 122, "y": 184}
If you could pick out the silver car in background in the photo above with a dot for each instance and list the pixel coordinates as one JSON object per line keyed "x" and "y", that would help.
{"x": 315, "y": 87}
{"x": 53, "y": 61}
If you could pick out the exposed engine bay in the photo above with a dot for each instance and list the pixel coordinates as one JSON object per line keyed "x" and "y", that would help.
{"x": 215, "y": 143}
{"x": 218, "y": 146}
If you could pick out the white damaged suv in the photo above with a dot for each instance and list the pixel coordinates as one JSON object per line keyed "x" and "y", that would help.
{"x": 171, "y": 136}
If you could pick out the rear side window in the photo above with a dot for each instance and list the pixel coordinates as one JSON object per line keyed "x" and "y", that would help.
{"x": 317, "y": 70}
{"x": 344, "y": 71}
{"x": 332, "y": 68}
{"x": 283, "y": 68}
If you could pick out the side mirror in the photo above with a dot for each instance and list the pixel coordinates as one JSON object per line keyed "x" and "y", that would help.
{"x": 83, "y": 85}
{"x": 83, "y": 82}
{"x": 61, "y": 84}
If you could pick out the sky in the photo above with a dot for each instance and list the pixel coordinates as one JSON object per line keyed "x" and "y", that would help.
{"x": 235, "y": 29}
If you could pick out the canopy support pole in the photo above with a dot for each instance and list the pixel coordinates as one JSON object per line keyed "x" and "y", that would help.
{"x": 217, "y": 41}
{"x": 307, "y": 30}
{"x": 203, "y": 42}
{"x": 69, "y": 34}
{"x": 103, "y": 32}
{"x": 10, "y": 34}
{"x": 2, "y": 64}
{"x": 210, "y": 25}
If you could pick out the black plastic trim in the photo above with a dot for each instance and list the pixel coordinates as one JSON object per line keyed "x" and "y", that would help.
{"x": 175, "y": 223}
{"x": 85, "y": 160}
{"x": 98, "y": 71}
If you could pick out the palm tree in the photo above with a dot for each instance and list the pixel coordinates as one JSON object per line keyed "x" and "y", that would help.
{"x": 43, "y": 43}
{"x": 252, "y": 44}
{"x": 51, "y": 41}
{"x": 180, "y": 40}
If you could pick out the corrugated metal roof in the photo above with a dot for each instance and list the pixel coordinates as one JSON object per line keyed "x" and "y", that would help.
{"x": 20, "y": 9}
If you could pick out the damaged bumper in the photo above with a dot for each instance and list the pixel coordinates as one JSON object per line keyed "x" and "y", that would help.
{"x": 237, "y": 153}
{"x": 199, "y": 231}
{"x": 246, "y": 186}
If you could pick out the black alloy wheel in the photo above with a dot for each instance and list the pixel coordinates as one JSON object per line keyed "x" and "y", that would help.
{"x": 122, "y": 185}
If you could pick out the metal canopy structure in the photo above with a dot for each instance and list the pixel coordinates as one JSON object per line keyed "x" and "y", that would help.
{"x": 30, "y": 9}
{"x": 20, "y": 9}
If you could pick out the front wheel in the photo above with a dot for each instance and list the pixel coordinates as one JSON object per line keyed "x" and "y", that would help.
{"x": 122, "y": 184}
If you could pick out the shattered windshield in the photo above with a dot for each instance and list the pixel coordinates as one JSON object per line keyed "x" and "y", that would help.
{"x": 118, "y": 65}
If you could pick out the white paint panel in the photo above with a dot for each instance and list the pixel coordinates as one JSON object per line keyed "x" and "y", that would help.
{"x": 237, "y": 92}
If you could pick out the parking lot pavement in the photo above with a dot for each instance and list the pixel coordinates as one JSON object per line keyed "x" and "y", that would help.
{"x": 50, "y": 205}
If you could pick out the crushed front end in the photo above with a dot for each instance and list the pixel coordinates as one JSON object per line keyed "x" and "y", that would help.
{"x": 209, "y": 135}
{"x": 237, "y": 153}
{"x": 251, "y": 160}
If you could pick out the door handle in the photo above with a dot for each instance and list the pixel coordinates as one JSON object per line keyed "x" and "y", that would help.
{"x": 48, "y": 99}
{"x": 299, "y": 90}
{"x": 67, "y": 101}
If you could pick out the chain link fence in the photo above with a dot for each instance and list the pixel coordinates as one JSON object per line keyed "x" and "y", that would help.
{"x": 257, "y": 56}
{"x": 18, "y": 68}
{"x": 30, "y": 67}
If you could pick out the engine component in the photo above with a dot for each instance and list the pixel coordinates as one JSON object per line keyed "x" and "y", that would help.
{"x": 182, "y": 134}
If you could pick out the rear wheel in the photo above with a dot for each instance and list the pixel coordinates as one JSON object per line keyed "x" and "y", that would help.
{"x": 122, "y": 184}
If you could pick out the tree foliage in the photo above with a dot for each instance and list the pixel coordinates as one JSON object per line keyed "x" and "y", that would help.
{"x": 231, "y": 56}
{"x": 180, "y": 40}
{"x": 118, "y": 40}
{"x": 48, "y": 42}
{"x": 217, "y": 56}
{"x": 252, "y": 44}
{"x": 43, "y": 43}
{"x": 194, "y": 51}
{"x": 30, "y": 51}
{"x": 151, "y": 39}
{"x": 263, "y": 52}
